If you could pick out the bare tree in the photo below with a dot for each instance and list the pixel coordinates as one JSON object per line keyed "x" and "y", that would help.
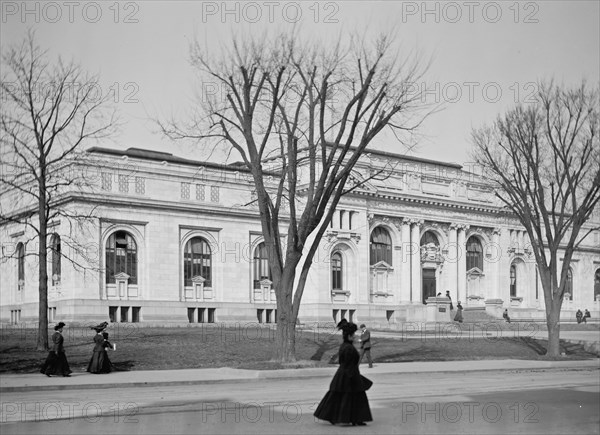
{"x": 545, "y": 160}
{"x": 284, "y": 105}
{"x": 49, "y": 111}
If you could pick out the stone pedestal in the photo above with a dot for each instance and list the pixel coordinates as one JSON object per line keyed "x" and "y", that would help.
{"x": 438, "y": 309}
{"x": 493, "y": 307}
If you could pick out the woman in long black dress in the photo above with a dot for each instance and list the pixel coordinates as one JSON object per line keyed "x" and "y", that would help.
{"x": 100, "y": 363}
{"x": 346, "y": 401}
{"x": 56, "y": 363}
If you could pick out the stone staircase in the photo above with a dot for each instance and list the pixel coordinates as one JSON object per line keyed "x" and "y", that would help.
{"x": 478, "y": 315}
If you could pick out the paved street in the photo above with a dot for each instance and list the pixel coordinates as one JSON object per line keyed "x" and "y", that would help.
{"x": 545, "y": 400}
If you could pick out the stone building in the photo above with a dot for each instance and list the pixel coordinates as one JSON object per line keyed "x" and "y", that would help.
{"x": 175, "y": 241}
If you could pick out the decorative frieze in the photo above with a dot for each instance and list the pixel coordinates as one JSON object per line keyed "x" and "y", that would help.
{"x": 333, "y": 236}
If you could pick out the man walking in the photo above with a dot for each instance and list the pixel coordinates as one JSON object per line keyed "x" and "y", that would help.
{"x": 365, "y": 345}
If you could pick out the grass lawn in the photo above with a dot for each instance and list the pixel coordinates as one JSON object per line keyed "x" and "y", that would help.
{"x": 252, "y": 347}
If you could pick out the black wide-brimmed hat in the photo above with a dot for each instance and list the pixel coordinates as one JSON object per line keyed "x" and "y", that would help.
{"x": 100, "y": 327}
{"x": 58, "y": 326}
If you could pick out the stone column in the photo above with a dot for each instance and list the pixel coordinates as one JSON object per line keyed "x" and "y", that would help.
{"x": 452, "y": 266}
{"x": 462, "y": 264}
{"x": 415, "y": 261}
{"x": 405, "y": 281}
{"x": 520, "y": 240}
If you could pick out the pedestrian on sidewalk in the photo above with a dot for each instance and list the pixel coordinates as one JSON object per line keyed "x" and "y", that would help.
{"x": 100, "y": 363}
{"x": 365, "y": 345}
{"x": 506, "y": 316}
{"x": 346, "y": 401}
{"x": 56, "y": 363}
{"x": 459, "y": 316}
{"x": 448, "y": 296}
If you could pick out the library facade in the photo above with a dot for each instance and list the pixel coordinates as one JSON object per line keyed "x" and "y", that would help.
{"x": 176, "y": 241}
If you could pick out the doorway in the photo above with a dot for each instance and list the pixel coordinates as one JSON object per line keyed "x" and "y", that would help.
{"x": 429, "y": 288}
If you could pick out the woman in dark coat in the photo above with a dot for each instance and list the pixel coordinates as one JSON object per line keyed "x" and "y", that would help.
{"x": 459, "y": 316}
{"x": 56, "y": 363}
{"x": 100, "y": 363}
{"x": 346, "y": 401}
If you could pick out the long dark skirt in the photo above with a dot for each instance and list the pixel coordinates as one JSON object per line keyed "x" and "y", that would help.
{"x": 100, "y": 363}
{"x": 337, "y": 407}
{"x": 56, "y": 364}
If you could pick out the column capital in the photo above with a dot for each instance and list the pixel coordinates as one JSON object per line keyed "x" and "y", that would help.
{"x": 414, "y": 221}
{"x": 459, "y": 226}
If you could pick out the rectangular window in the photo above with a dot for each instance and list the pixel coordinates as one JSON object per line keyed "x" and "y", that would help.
{"x": 123, "y": 184}
{"x": 335, "y": 315}
{"x": 200, "y": 196}
{"x": 124, "y": 314}
{"x": 259, "y": 315}
{"x": 351, "y": 316}
{"x": 135, "y": 314}
{"x": 389, "y": 314}
{"x": 201, "y": 315}
{"x": 15, "y": 316}
{"x": 51, "y": 314}
{"x": 185, "y": 190}
{"x": 214, "y": 193}
{"x": 191, "y": 314}
{"x": 106, "y": 181}
{"x": 268, "y": 316}
{"x": 112, "y": 314}
{"x": 211, "y": 315}
{"x": 140, "y": 185}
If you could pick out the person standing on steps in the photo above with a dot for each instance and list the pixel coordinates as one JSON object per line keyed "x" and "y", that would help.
{"x": 448, "y": 296}
{"x": 459, "y": 316}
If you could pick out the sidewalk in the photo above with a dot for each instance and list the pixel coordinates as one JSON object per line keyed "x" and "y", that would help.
{"x": 38, "y": 382}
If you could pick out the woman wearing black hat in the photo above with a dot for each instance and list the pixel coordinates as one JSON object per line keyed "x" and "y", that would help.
{"x": 346, "y": 401}
{"x": 56, "y": 362}
{"x": 100, "y": 363}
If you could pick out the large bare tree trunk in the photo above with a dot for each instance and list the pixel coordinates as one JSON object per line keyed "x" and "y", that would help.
{"x": 42, "y": 341}
{"x": 286, "y": 320}
{"x": 553, "y": 323}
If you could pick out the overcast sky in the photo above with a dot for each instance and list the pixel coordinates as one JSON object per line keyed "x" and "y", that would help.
{"x": 486, "y": 56}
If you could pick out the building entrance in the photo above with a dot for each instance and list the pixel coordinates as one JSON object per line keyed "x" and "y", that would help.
{"x": 429, "y": 287}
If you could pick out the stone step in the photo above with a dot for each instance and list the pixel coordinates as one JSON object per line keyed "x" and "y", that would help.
{"x": 478, "y": 315}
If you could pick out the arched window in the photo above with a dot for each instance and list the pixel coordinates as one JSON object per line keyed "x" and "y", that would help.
{"x": 569, "y": 285}
{"x": 336, "y": 271}
{"x": 261, "y": 265}
{"x": 20, "y": 264}
{"x": 121, "y": 256}
{"x": 474, "y": 253}
{"x": 597, "y": 285}
{"x": 197, "y": 261}
{"x": 56, "y": 258}
{"x": 513, "y": 280}
{"x": 381, "y": 246}
{"x": 429, "y": 237}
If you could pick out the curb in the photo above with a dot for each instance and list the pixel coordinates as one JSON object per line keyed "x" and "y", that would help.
{"x": 247, "y": 376}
